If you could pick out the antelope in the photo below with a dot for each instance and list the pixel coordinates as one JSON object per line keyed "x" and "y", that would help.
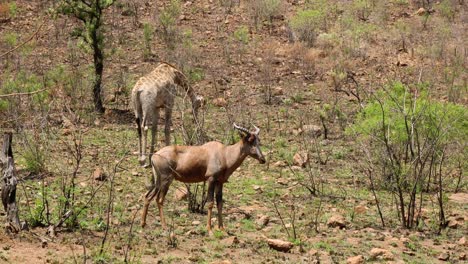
{"x": 152, "y": 92}
{"x": 212, "y": 162}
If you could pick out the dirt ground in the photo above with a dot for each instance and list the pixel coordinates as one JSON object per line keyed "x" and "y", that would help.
{"x": 271, "y": 80}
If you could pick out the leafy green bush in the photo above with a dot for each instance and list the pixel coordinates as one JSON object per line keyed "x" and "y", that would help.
{"x": 446, "y": 121}
{"x": 410, "y": 139}
{"x": 242, "y": 34}
{"x": 34, "y": 158}
{"x": 167, "y": 19}
{"x": 264, "y": 10}
{"x": 147, "y": 37}
{"x": 13, "y": 9}
{"x": 447, "y": 10}
{"x": 306, "y": 24}
{"x": 11, "y": 39}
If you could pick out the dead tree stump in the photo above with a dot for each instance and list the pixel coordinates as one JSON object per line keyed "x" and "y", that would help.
{"x": 9, "y": 182}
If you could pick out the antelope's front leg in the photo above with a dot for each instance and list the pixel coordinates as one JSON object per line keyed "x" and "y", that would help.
{"x": 210, "y": 202}
{"x": 219, "y": 204}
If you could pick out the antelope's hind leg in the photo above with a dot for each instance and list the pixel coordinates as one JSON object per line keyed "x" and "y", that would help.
{"x": 148, "y": 198}
{"x": 165, "y": 184}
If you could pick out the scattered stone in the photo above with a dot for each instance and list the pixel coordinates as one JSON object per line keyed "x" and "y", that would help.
{"x": 312, "y": 130}
{"x": 444, "y": 256}
{"x": 220, "y": 102}
{"x": 262, "y": 221}
{"x": 462, "y": 242}
{"x": 280, "y": 163}
{"x": 301, "y": 159}
{"x": 181, "y": 194}
{"x": 380, "y": 253}
{"x": 196, "y": 222}
{"x": 135, "y": 173}
{"x": 462, "y": 256}
{"x": 230, "y": 241}
{"x": 336, "y": 221}
{"x": 280, "y": 245}
{"x": 282, "y": 181}
{"x": 312, "y": 252}
{"x": 66, "y": 131}
{"x": 258, "y": 188}
{"x": 99, "y": 175}
{"x": 421, "y": 11}
{"x": 355, "y": 260}
{"x": 297, "y": 132}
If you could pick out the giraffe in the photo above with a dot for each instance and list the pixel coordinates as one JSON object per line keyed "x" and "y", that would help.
{"x": 152, "y": 92}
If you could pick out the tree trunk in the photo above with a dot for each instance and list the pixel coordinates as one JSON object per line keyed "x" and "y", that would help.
{"x": 9, "y": 182}
{"x": 98, "y": 69}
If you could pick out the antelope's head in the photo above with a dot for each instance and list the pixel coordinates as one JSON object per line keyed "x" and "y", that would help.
{"x": 251, "y": 142}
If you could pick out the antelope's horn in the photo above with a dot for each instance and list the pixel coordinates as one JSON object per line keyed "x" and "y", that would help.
{"x": 241, "y": 129}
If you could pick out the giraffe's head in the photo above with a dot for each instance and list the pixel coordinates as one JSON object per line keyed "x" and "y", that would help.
{"x": 198, "y": 102}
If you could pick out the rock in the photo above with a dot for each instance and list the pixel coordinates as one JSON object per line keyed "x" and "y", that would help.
{"x": 462, "y": 256}
{"x": 461, "y": 198}
{"x": 196, "y": 222}
{"x": 444, "y": 256}
{"x": 277, "y": 91}
{"x": 66, "y": 131}
{"x": 312, "y": 252}
{"x": 421, "y": 11}
{"x": 181, "y": 194}
{"x": 360, "y": 209}
{"x": 297, "y": 132}
{"x": 221, "y": 262}
{"x": 262, "y": 221}
{"x": 220, "y": 102}
{"x": 455, "y": 221}
{"x": 230, "y": 241}
{"x": 99, "y": 175}
{"x": 462, "y": 242}
{"x": 282, "y": 181}
{"x": 380, "y": 253}
{"x": 280, "y": 245}
{"x": 336, "y": 221}
{"x": 258, "y": 188}
{"x": 312, "y": 130}
{"x": 280, "y": 163}
{"x": 355, "y": 260}
{"x": 325, "y": 258}
{"x": 403, "y": 59}
{"x": 301, "y": 159}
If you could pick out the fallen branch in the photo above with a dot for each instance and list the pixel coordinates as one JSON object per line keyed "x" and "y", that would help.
{"x": 26, "y": 41}
{"x": 19, "y": 94}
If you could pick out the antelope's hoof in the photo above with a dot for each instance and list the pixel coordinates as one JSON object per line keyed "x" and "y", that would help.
{"x": 143, "y": 225}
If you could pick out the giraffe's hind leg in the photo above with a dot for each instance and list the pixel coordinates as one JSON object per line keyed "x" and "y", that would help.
{"x": 154, "y": 133}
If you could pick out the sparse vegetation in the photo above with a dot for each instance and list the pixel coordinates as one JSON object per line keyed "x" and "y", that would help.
{"x": 168, "y": 21}
{"x": 361, "y": 106}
